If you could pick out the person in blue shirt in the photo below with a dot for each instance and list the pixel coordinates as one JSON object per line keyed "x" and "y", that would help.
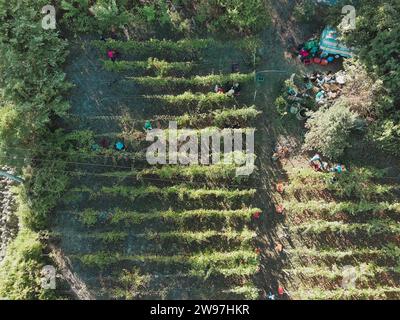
{"x": 119, "y": 145}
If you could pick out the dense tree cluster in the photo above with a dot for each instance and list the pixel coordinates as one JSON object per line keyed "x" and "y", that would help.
{"x": 376, "y": 40}
{"x": 177, "y": 16}
{"x": 32, "y": 95}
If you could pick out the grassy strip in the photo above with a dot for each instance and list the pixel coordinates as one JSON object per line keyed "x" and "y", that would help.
{"x": 91, "y": 217}
{"x": 181, "y": 191}
{"x": 244, "y": 237}
{"x": 170, "y": 50}
{"x": 108, "y": 237}
{"x": 224, "y": 118}
{"x": 374, "y": 227}
{"x": 332, "y": 208}
{"x": 191, "y": 102}
{"x": 240, "y": 262}
{"x": 249, "y": 291}
{"x": 182, "y": 50}
{"x": 151, "y": 66}
{"x": 364, "y": 270}
{"x": 348, "y": 294}
{"x": 355, "y": 184}
{"x": 198, "y": 287}
{"x": 214, "y": 132}
{"x": 214, "y": 172}
{"x": 172, "y": 83}
{"x": 392, "y": 252}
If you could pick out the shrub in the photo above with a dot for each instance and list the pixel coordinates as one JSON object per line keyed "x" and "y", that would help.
{"x": 33, "y": 87}
{"x": 329, "y": 130}
{"x": 305, "y": 10}
{"x": 20, "y": 277}
{"x": 89, "y": 217}
{"x": 110, "y": 14}
{"x": 244, "y": 17}
{"x": 362, "y": 90}
{"x": 76, "y": 15}
{"x": 44, "y": 188}
{"x": 281, "y": 105}
{"x": 387, "y": 135}
{"x": 131, "y": 284}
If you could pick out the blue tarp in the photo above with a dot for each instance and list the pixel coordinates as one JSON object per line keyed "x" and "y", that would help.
{"x": 329, "y": 2}
{"x": 330, "y": 45}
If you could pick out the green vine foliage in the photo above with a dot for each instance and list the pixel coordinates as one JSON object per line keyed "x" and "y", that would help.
{"x": 181, "y": 17}
{"x": 20, "y": 270}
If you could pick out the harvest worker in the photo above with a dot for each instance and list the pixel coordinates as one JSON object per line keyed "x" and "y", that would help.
{"x": 320, "y": 80}
{"x": 316, "y": 158}
{"x": 317, "y": 164}
{"x": 119, "y": 145}
{"x": 257, "y": 215}
{"x": 319, "y": 98}
{"x": 104, "y": 143}
{"x": 218, "y": 89}
{"x": 329, "y": 78}
{"x": 147, "y": 125}
{"x": 280, "y": 209}
{"x": 95, "y": 147}
{"x": 278, "y": 247}
{"x": 304, "y": 53}
{"x": 231, "y": 92}
{"x": 275, "y": 157}
{"x": 271, "y": 296}
{"x": 280, "y": 153}
{"x": 112, "y": 55}
{"x": 338, "y": 168}
{"x": 113, "y": 33}
{"x": 281, "y": 291}
{"x": 236, "y": 88}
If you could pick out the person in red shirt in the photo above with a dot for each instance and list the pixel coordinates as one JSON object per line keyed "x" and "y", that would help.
{"x": 112, "y": 55}
{"x": 257, "y": 215}
{"x": 280, "y": 209}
